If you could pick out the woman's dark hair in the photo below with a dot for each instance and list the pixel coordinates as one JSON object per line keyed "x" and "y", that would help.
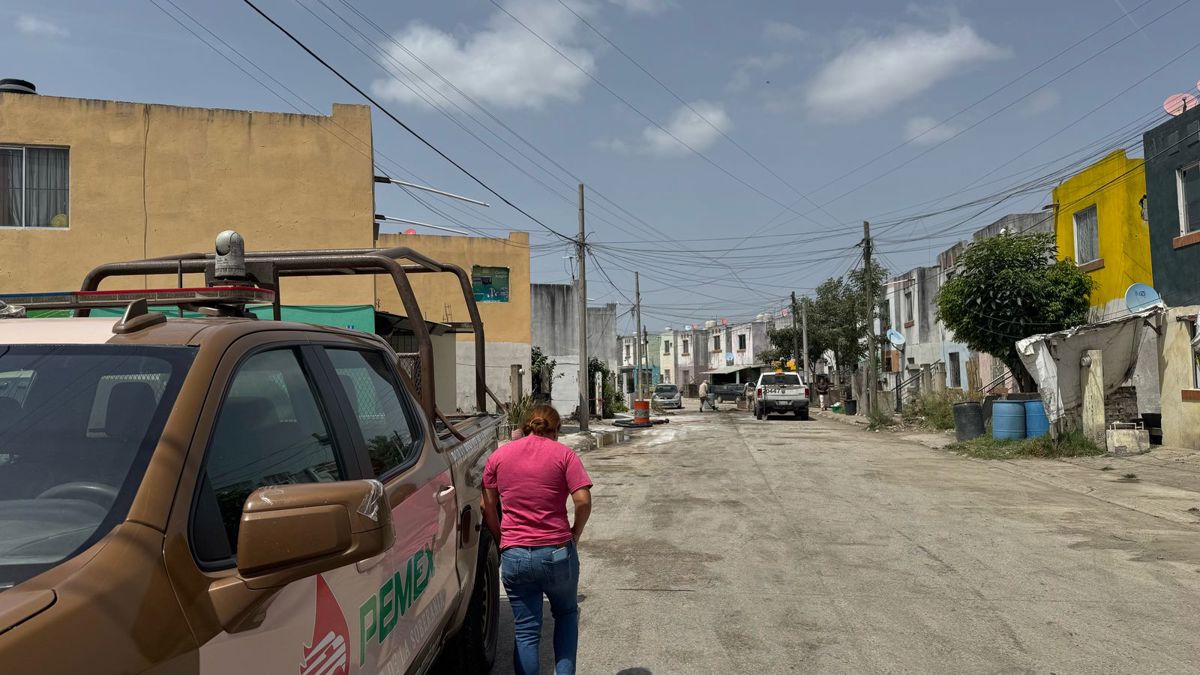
{"x": 541, "y": 420}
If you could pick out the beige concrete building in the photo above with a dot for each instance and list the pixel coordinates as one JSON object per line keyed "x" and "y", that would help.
{"x": 499, "y": 270}
{"x": 86, "y": 182}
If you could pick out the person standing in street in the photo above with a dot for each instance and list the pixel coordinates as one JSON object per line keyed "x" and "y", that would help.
{"x": 703, "y": 394}
{"x": 529, "y": 480}
{"x": 823, "y": 391}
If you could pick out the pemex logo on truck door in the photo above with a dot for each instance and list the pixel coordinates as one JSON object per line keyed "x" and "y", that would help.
{"x": 328, "y": 653}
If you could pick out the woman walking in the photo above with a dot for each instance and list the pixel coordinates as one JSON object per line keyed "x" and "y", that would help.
{"x": 530, "y": 480}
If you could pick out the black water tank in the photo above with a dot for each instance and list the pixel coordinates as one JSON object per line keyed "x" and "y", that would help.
{"x": 11, "y": 85}
{"x": 968, "y": 420}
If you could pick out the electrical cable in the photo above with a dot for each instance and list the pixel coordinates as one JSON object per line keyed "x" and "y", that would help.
{"x": 399, "y": 122}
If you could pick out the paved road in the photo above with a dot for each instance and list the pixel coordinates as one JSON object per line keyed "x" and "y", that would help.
{"x": 720, "y": 544}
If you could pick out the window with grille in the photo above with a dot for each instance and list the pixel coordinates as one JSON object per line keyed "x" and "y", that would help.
{"x": 1087, "y": 236}
{"x": 34, "y": 186}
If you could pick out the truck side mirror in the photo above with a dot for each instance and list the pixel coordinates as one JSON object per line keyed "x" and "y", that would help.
{"x": 294, "y": 531}
{"x": 291, "y": 532}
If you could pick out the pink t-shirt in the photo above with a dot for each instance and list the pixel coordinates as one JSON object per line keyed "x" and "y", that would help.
{"x": 534, "y": 476}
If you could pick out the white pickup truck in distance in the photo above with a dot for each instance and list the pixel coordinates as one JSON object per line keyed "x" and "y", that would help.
{"x": 780, "y": 392}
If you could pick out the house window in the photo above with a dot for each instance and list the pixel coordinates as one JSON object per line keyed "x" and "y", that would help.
{"x": 742, "y": 343}
{"x": 716, "y": 343}
{"x": 1192, "y": 330}
{"x": 627, "y": 356}
{"x": 489, "y": 284}
{"x": 1087, "y": 236}
{"x": 955, "y": 374}
{"x": 685, "y": 346}
{"x": 34, "y": 188}
{"x": 885, "y": 321}
{"x": 1188, "y": 187}
{"x": 908, "y": 306}
{"x": 666, "y": 347}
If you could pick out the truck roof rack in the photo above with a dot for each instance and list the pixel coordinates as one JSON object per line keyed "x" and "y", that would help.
{"x": 253, "y": 278}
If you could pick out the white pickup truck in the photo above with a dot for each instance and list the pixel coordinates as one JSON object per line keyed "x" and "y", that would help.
{"x": 780, "y": 392}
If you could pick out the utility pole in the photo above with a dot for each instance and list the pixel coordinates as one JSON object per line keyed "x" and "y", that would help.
{"x": 804, "y": 333}
{"x": 795, "y": 334}
{"x": 637, "y": 338}
{"x": 585, "y": 382}
{"x": 873, "y": 362}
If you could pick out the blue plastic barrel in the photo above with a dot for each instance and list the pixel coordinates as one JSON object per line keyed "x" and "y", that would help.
{"x": 1036, "y": 423}
{"x": 1008, "y": 420}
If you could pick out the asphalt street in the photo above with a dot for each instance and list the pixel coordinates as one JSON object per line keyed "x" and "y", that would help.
{"x": 722, "y": 544}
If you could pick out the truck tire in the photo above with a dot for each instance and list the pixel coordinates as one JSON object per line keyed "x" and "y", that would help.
{"x": 473, "y": 649}
{"x": 758, "y": 412}
{"x": 802, "y": 413}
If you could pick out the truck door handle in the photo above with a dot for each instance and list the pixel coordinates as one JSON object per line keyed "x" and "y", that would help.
{"x": 445, "y": 494}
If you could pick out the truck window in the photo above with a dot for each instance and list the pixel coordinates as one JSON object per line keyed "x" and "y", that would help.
{"x": 387, "y": 424}
{"x": 781, "y": 379}
{"x": 270, "y": 430}
{"x": 77, "y": 426}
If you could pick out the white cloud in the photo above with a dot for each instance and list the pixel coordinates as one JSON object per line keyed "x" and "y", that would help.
{"x": 32, "y": 25}
{"x": 644, "y": 6}
{"x": 753, "y": 68}
{"x": 782, "y": 31}
{"x": 924, "y": 130}
{"x": 689, "y": 127}
{"x": 501, "y": 64}
{"x": 1043, "y": 101}
{"x": 875, "y": 73}
{"x": 699, "y": 130}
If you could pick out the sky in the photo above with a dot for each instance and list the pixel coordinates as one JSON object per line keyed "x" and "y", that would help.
{"x": 731, "y": 151}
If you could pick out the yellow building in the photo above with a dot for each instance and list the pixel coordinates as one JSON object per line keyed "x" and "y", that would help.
{"x": 85, "y": 182}
{"x": 499, "y": 269}
{"x": 1099, "y": 225}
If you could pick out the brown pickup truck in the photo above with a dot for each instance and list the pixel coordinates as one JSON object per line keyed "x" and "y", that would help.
{"x": 226, "y": 494}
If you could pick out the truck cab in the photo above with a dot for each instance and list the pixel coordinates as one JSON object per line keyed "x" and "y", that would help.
{"x": 225, "y": 494}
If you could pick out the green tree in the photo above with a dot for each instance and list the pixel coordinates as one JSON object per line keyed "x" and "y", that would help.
{"x": 1007, "y": 288}
{"x": 837, "y": 322}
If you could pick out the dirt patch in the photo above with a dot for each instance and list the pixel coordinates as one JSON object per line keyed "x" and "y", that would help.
{"x": 653, "y": 563}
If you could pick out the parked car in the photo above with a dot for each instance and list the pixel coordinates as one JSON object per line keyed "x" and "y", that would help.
{"x": 728, "y": 392}
{"x": 667, "y": 396}
{"x": 227, "y": 495}
{"x": 781, "y": 392}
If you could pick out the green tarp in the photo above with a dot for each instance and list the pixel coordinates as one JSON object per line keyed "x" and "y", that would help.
{"x": 354, "y": 317}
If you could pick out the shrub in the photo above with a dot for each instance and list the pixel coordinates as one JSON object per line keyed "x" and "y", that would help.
{"x": 936, "y": 409}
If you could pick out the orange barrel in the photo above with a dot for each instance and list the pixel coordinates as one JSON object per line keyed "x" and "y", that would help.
{"x": 641, "y": 412}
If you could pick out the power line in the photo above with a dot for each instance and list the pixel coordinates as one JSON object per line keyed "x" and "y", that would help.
{"x": 646, "y": 117}
{"x": 398, "y": 121}
{"x": 695, "y": 112}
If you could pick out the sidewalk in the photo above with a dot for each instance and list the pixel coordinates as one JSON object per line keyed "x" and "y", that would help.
{"x": 1164, "y": 483}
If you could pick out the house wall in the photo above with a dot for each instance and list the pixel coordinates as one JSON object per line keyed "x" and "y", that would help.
{"x": 156, "y": 180}
{"x": 1115, "y": 186}
{"x": 1168, "y": 147}
{"x": 507, "y": 326}
{"x": 1180, "y": 396}
{"x": 555, "y": 330}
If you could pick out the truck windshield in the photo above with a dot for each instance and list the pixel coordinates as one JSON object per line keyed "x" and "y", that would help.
{"x": 782, "y": 378}
{"x": 77, "y": 426}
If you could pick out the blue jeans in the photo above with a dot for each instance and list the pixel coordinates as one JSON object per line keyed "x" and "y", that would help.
{"x": 527, "y": 575}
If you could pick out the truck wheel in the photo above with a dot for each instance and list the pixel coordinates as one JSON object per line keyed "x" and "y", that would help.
{"x": 474, "y": 647}
{"x": 802, "y": 413}
{"x": 758, "y": 413}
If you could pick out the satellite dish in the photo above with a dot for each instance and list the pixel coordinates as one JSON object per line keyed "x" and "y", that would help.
{"x": 1141, "y": 297}
{"x": 1177, "y": 104}
{"x": 895, "y": 337}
